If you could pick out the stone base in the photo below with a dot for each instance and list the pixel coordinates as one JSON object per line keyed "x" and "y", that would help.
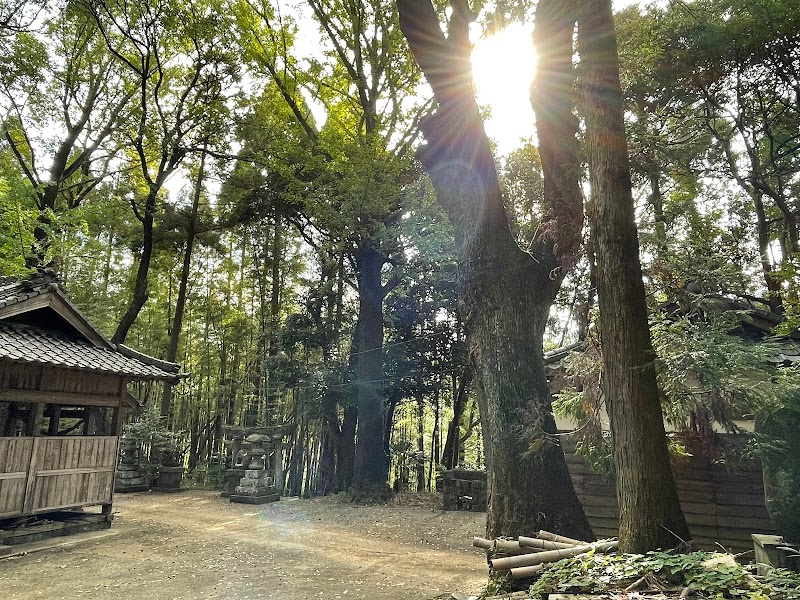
{"x": 167, "y": 490}
{"x": 142, "y": 487}
{"x": 129, "y": 478}
{"x": 255, "y": 499}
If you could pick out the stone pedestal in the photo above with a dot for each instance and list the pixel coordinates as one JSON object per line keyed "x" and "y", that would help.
{"x": 169, "y": 479}
{"x": 232, "y": 477}
{"x": 464, "y": 490}
{"x": 130, "y": 479}
{"x": 256, "y": 487}
{"x": 129, "y": 476}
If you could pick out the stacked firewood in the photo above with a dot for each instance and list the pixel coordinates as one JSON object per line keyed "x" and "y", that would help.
{"x": 527, "y": 556}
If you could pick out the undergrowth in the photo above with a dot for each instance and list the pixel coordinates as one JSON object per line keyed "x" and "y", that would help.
{"x": 663, "y": 571}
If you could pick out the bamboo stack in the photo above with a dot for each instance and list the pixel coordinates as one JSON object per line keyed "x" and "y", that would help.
{"x": 527, "y": 556}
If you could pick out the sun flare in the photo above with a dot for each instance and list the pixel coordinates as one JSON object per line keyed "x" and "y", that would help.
{"x": 502, "y": 67}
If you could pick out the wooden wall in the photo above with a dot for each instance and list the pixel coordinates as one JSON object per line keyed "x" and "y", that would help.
{"x": 15, "y": 457}
{"x": 30, "y": 377}
{"x": 41, "y": 474}
{"x": 721, "y": 506}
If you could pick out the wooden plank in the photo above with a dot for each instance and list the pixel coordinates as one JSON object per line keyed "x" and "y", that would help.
{"x": 6, "y": 457}
{"x": 593, "y": 489}
{"x": 605, "y": 532}
{"x": 691, "y": 496}
{"x": 598, "y": 500}
{"x": 12, "y": 494}
{"x": 31, "y": 482}
{"x": 610, "y": 512}
{"x": 14, "y": 474}
{"x": 75, "y": 471}
{"x": 739, "y": 487}
{"x": 693, "y": 485}
{"x": 698, "y": 508}
{"x": 54, "y": 397}
{"x": 701, "y": 520}
{"x": 73, "y": 480}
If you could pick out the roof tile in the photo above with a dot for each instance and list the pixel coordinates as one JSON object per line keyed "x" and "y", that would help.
{"x": 24, "y": 343}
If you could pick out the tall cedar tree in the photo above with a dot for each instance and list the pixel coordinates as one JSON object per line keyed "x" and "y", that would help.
{"x": 505, "y": 293}
{"x": 650, "y": 515}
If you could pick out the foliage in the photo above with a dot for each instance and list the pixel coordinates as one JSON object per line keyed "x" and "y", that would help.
{"x": 597, "y": 573}
{"x": 164, "y": 447}
{"x": 777, "y": 443}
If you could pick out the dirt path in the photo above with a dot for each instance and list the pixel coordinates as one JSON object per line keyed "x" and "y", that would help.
{"x": 197, "y": 545}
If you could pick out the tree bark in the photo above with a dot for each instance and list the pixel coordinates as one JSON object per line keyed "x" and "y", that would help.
{"x": 420, "y": 439}
{"x": 142, "y": 273}
{"x": 504, "y": 292}
{"x": 650, "y": 515}
{"x": 347, "y": 448}
{"x": 180, "y": 301}
{"x": 276, "y": 256}
{"x": 450, "y": 454}
{"x": 371, "y": 465}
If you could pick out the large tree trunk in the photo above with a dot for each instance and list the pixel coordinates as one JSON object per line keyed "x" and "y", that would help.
{"x": 180, "y": 302}
{"x": 451, "y": 453}
{"x": 505, "y": 293}
{"x": 371, "y": 465}
{"x": 331, "y": 435}
{"x": 420, "y": 439}
{"x": 347, "y": 448}
{"x": 650, "y": 515}
{"x": 143, "y": 272}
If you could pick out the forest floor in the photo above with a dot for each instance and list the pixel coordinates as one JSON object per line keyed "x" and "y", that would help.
{"x": 196, "y": 545}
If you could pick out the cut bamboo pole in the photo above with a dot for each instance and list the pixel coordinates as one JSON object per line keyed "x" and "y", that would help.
{"x": 509, "y": 596}
{"x": 513, "y": 547}
{"x": 504, "y": 546}
{"x": 529, "y": 560}
{"x": 547, "y": 545}
{"x": 553, "y": 537}
{"x": 523, "y": 572}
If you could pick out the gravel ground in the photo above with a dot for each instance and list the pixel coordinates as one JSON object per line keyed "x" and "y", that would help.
{"x": 194, "y": 545}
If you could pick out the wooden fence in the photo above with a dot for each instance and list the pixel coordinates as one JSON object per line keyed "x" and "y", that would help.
{"x": 40, "y": 474}
{"x": 721, "y": 506}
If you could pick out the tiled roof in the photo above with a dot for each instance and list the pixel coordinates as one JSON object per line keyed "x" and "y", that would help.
{"x": 13, "y": 290}
{"x": 23, "y": 343}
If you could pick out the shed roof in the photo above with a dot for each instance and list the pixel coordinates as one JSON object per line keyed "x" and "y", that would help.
{"x": 39, "y": 325}
{"x": 23, "y": 343}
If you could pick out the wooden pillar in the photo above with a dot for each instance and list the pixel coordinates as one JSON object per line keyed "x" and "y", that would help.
{"x": 35, "y": 417}
{"x": 90, "y": 420}
{"x": 5, "y": 417}
{"x": 118, "y": 418}
{"x": 55, "y": 416}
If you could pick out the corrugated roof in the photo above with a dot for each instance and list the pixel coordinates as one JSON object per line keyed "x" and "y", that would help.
{"x": 23, "y": 343}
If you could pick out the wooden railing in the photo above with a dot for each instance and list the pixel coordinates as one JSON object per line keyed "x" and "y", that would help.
{"x": 39, "y": 474}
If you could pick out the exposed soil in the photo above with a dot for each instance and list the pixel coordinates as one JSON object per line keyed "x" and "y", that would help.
{"x": 194, "y": 545}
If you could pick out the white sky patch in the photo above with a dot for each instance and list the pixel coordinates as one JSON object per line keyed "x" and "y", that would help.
{"x": 503, "y": 66}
